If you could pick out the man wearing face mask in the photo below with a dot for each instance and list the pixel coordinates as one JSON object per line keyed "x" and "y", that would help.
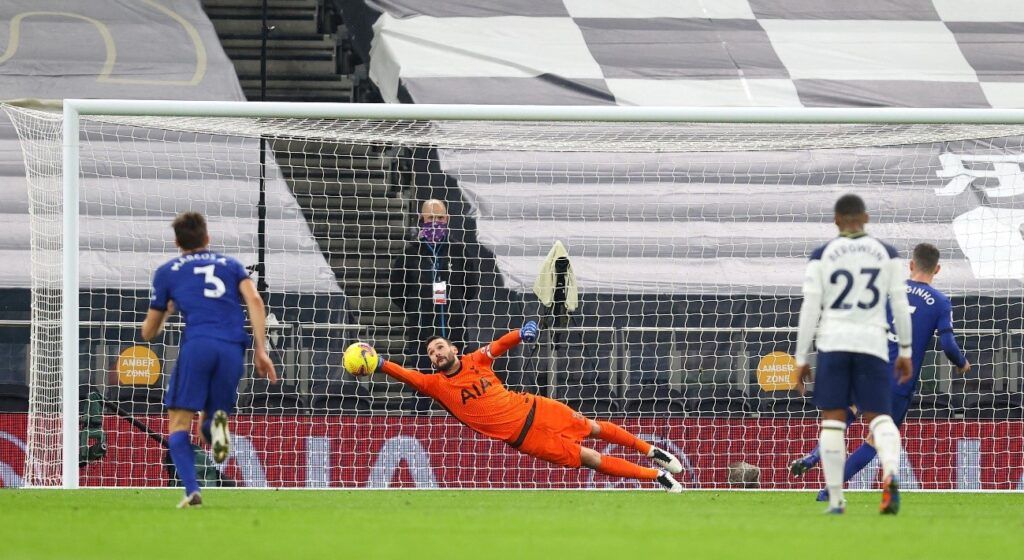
{"x": 432, "y": 282}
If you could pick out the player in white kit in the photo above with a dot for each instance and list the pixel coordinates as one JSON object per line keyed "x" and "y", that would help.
{"x": 847, "y": 284}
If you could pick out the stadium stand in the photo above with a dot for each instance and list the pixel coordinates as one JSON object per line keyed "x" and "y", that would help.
{"x": 306, "y": 55}
{"x": 310, "y": 58}
{"x": 162, "y": 50}
{"x": 327, "y": 50}
{"x": 749, "y": 53}
{"x": 686, "y": 277}
{"x": 754, "y": 53}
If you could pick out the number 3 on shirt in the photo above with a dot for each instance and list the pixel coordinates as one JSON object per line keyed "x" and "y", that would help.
{"x": 218, "y": 288}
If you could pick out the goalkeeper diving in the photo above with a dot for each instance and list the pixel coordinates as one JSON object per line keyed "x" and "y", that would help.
{"x": 538, "y": 426}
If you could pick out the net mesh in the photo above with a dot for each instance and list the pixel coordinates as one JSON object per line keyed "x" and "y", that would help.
{"x": 40, "y": 136}
{"x": 687, "y": 245}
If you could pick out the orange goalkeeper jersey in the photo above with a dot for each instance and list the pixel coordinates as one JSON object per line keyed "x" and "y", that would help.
{"x": 474, "y": 395}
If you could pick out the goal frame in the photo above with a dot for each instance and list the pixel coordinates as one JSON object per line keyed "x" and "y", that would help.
{"x": 74, "y": 109}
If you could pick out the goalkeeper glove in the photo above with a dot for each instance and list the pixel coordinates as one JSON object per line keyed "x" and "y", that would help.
{"x": 529, "y": 332}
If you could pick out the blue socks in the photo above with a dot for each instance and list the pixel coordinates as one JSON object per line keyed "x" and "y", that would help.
{"x": 813, "y": 457}
{"x": 854, "y": 463}
{"x": 858, "y": 460}
{"x": 184, "y": 460}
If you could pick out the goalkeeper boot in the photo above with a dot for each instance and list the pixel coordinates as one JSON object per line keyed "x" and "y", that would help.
{"x": 800, "y": 466}
{"x": 221, "y": 443}
{"x": 822, "y": 495}
{"x": 669, "y": 483}
{"x": 890, "y": 496}
{"x": 666, "y": 460}
{"x": 190, "y": 501}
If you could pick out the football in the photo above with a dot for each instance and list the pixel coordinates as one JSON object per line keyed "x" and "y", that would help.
{"x": 361, "y": 359}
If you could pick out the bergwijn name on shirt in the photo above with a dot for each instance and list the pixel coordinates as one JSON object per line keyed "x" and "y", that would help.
{"x": 844, "y": 250}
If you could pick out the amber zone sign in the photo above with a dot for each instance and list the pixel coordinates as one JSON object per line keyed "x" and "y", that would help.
{"x": 138, "y": 365}
{"x": 777, "y": 372}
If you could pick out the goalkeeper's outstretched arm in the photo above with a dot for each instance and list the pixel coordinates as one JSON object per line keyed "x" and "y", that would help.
{"x": 528, "y": 333}
{"x": 417, "y": 380}
{"x": 503, "y": 344}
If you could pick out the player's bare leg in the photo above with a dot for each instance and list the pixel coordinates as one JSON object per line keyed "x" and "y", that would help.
{"x": 204, "y": 429}
{"x": 614, "y": 434}
{"x": 613, "y": 466}
{"x": 221, "y": 437}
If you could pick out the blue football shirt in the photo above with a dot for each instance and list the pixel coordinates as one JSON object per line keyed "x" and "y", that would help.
{"x": 205, "y": 288}
{"x": 931, "y": 312}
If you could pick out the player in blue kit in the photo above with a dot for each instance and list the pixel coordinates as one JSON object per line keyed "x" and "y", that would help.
{"x": 846, "y": 285}
{"x": 208, "y": 289}
{"x": 930, "y": 313}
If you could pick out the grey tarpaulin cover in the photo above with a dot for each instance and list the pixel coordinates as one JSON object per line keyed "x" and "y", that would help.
{"x": 142, "y": 49}
{"x": 896, "y": 53}
{"x": 720, "y": 222}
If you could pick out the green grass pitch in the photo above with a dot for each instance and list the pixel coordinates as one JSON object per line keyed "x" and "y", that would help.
{"x": 115, "y": 524}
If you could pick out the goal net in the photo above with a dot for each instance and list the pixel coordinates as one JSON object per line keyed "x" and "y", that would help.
{"x": 673, "y": 311}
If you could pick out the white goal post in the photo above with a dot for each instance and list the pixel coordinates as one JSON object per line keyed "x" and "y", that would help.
{"x": 782, "y": 146}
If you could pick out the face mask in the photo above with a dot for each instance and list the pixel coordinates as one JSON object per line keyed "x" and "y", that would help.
{"x": 433, "y": 232}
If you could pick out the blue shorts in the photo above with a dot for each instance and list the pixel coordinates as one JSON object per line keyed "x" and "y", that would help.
{"x": 900, "y": 407}
{"x": 848, "y": 378}
{"x": 206, "y": 376}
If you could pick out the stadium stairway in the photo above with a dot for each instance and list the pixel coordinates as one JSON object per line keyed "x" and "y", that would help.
{"x": 303, "y": 61}
{"x": 350, "y": 194}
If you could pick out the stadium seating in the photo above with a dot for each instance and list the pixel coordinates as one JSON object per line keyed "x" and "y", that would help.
{"x": 625, "y": 352}
{"x": 332, "y": 397}
{"x": 717, "y": 399}
{"x": 304, "y": 57}
{"x": 217, "y": 193}
{"x": 589, "y": 396}
{"x": 258, "y": 396}
{"x": 653, "y": 398}
{"x": 13, "y": 397}
{"x": 134, "y": 400}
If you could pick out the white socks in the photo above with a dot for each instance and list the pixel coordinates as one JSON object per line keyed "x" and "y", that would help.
{"x": 887, "y": 443}
{"x": 832, "y": 446}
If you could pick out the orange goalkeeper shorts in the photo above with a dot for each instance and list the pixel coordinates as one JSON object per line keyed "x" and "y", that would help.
{"x": 555, "y": 434}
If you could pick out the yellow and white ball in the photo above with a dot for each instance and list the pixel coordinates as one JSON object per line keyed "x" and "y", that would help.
{"x": 361, "y": 359}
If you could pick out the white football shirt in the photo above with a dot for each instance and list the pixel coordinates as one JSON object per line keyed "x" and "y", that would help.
{"x": 848, "y": 282}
